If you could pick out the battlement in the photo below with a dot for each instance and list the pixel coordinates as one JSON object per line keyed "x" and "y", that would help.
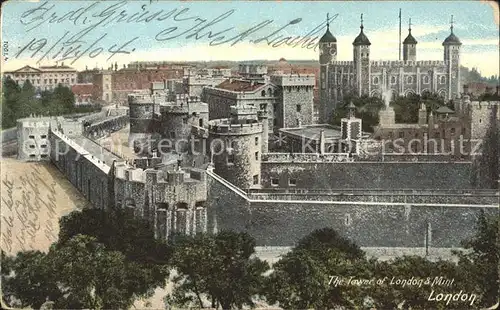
{"x": 126, "y": 172}
{"x": 294, "y": 80}
{"x": 224, "y": 126}
{"x": 306, "y": 157}
{"x": 342, "y": 63}
{"x": 408, "y": 63}
{"x": 479, "y": 105}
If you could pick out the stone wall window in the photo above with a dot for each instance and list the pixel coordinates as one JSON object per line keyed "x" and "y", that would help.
{"x": 401, "y": 134}
{"x": 263, "y": 93}
{"x": 375, "y": 80}
{"x": 393, "y": 80}
{"x": 200, "y": 216}
{"x": 298, "y": 107}
{"x": 31, "y": 137}
{"x": 426, "y": 79}
{"x": 230, "y": 158}
{"x": 256, "y": 141}
{"x": 256, "y": 155}
{"x": 409, "y": 79}
{"x": 347, "y": 220}
{"x": 452, "y": 131}
{"x": 256, "y": 179}
{"x": 181, "y": 217}
{"x": 274, "y": 182}
{"x": 292, "y": 182}
{"x": 442, "y": 80}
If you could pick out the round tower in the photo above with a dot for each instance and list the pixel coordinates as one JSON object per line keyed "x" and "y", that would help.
{"x": 177, "y": 118}
{"x": 235, "y": 145}
{"x": 142, "y": 122}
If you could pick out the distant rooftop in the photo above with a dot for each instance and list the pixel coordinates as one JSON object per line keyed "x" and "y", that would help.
{"x": 239, "y": 85}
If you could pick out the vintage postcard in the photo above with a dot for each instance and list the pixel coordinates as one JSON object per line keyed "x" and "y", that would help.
{"x": 250, "y": 154}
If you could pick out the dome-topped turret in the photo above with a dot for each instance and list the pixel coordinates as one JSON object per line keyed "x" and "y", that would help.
{"x": 328, "y": 36}
{"x": 361, "y": 39}
{"x": 452, "y": 39}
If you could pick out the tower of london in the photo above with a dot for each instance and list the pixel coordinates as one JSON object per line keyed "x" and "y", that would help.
{"x": 364, "y": 76}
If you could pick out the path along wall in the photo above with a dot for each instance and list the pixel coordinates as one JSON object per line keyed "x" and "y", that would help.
{"x": 85, "y": 171}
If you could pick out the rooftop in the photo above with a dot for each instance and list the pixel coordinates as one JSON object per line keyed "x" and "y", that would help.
{"x": 82, "y": 89}
{"x": 313, "y": 132}
{"x": 239, "y": 85}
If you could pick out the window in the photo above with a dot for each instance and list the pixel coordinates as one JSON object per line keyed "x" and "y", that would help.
{"x": 200, "y": 122}
{"x": 45, "y": 81}
{"x": 32, "y": 146}
{"x": 256, "y": 155}
{"x": 263, "y": 106}
{"x": 172, "y": 134}
{"x": 347, "y": 220}
{"x": 463, "y": 131}
{"x": 72, "y": 80}
{"x": 292, "y": 182}
{"x": 452, "y": 131}
{"x": 230, "y": 158}
{"x": 50, "y": 81}
{"x": 401, "y": 134}
{"x": 443, "y": 79}
{"x": 426, "y": 79}
{"x": 393, "y": 80}
{"x": 256, "y": 140}
{"x": 375, "y": 80}
{"x": 43, "y": 146}
{"x": 32, "y": 155}
{"x": 274, "y": 182}
{"x": 409, "y": 79}
{"x": 256, "y": 179}
{"x": 184, "y": 120}
{"x": 298, "y": 108}
{"x": 263, "y": 93}
{"x": 31, "y": 137}
{"x": 44, "y": 155}
{"x": 390, "y": 134}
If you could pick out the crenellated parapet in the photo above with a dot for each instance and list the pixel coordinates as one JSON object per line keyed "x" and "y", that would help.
{"x": 224, "y": 126}
{"x": 293, "y": 80}
{"x": 342, "y": 63}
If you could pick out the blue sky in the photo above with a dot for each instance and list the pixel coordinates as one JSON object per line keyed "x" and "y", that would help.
{"x": 474, "y": 24}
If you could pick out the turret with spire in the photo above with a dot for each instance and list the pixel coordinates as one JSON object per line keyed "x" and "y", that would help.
{"x": 452, "y": 46}
{"x": 327, "y": 45}
{"x": 361, "y": 51}
{"x": 409, "y": 46}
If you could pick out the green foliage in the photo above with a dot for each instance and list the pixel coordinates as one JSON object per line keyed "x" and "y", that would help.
{"x": 219, "y": 268}
{"x": 301, "y": 279}
{"x": 27, "y": 280}
{"x": 474, "y": 76}
{"x": 101, "y": 260}
{"x": 481, "y": 265}
{"x": 367, "y": 109}
{"x": 19, "y": 102}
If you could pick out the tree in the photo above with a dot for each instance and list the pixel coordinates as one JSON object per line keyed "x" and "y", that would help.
{"x": 120, "y": 231}
{"x": 89, "y": 275}
{"x": 302, "y": 278}
{"x": 28, "y": 280}
{"x": 481, "y": 264}
{"x": 219, "y": 268}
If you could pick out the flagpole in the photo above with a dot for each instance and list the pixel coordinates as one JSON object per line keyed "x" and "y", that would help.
{"x": 399, "y": 46}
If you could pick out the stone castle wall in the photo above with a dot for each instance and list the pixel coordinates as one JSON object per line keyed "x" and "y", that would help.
{"x": 276, "y": 222}
{"x": 382, "y": 175}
